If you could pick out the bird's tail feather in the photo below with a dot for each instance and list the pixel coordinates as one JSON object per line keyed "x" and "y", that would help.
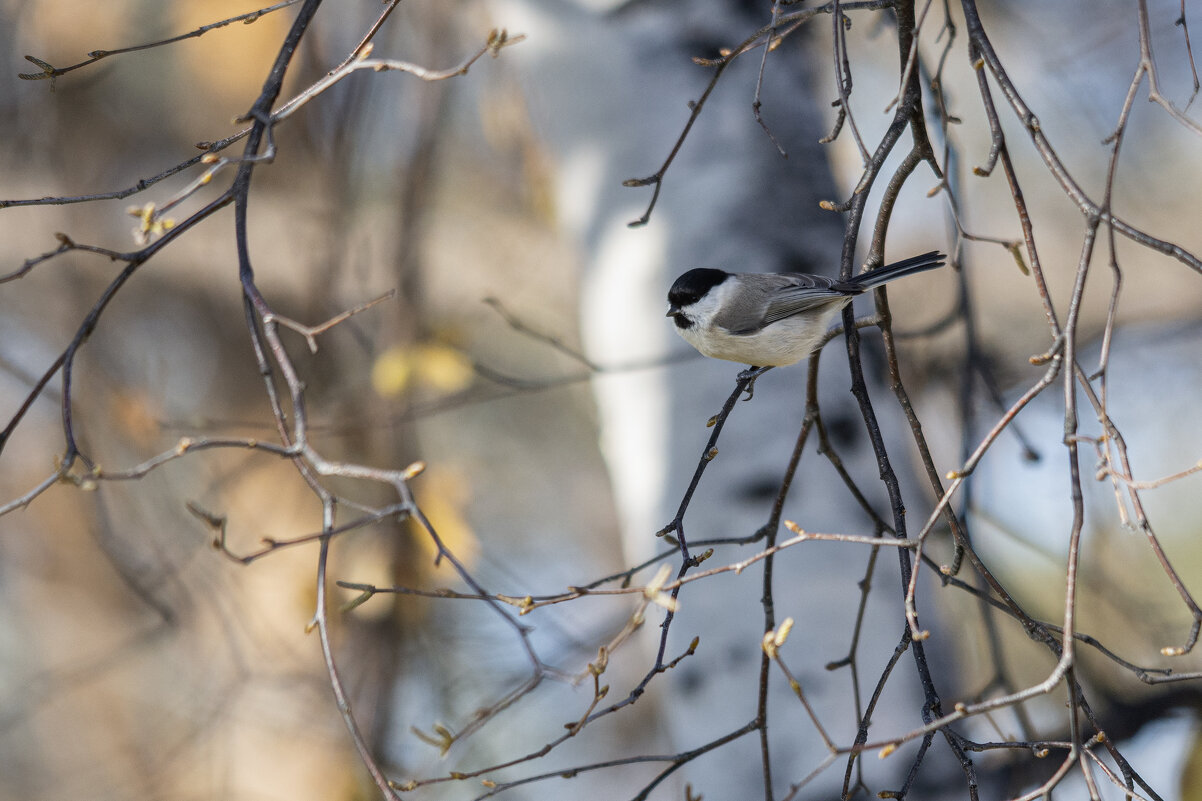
{"x": 914, "y": 264}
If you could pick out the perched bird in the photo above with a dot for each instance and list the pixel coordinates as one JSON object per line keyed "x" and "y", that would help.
{"x": 770, "y": 319}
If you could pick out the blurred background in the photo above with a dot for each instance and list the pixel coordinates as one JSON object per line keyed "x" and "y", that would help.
{"x": 526, "y": 361}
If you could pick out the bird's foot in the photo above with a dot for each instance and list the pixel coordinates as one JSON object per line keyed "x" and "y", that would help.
{"x": 750, "y": 375}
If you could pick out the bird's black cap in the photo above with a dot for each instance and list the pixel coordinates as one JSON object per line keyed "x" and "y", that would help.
{"x": 693, "y": 285}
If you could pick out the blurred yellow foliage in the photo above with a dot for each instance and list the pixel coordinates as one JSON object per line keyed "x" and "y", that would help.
{"x": 229, "y": 63}
{"x": 438, "y": 367}
{"x": 443, "y": 494}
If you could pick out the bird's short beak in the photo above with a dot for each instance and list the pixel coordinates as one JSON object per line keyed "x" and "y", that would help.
{"x": 672, "y": 312}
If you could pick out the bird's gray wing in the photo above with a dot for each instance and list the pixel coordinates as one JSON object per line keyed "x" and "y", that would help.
{"x": 775, "y": 297}
{"x": 802, "y": 293}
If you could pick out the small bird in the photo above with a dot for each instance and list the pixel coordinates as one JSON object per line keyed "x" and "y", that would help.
{"x": 770, "y": 319}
